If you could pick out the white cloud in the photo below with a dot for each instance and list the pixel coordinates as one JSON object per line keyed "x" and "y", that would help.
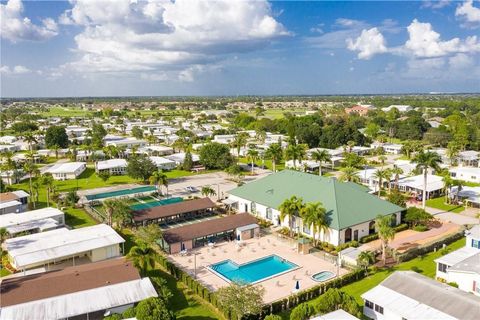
{"x": 424, "y": 42}
{"x": 461, "y": 61}
{"x": 6, "y": 70}
{"x": 15, "y": 27}
{"x": 436, "y": 4}
{"x": 369, "y": 43}
{"x": 166, "y": 36}
{"x": 468, "y": 12}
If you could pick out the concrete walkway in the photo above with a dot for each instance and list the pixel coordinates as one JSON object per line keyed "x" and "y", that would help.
{"x": 411, "y": 238}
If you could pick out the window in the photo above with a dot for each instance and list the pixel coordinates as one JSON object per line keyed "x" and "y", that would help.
{"x": 253, "y": 208}
{"x": 476, "y": 243}
{"x": 269, "y": 213}
{"x": 378, "y": 309}
{"x": 442, "y": 267}
{"x": 369, "y": 304}
{"x": 306, "y": 229}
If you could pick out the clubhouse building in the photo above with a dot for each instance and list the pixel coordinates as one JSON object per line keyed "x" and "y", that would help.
{"x": 351, "y": 210}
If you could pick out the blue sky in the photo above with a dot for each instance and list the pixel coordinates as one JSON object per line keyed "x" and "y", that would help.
{"x": 150, "y": 48}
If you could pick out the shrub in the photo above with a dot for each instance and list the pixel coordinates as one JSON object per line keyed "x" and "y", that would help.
{"x": 129, "y": 313}
{"x": 273, "y": 317}
{"x": 453, "y": 284}
{"x": 420, "y": 228}
{"x": 301, "y": 312}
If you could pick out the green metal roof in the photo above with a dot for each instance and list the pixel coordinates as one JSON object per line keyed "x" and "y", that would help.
{"x": 346, "y": 204}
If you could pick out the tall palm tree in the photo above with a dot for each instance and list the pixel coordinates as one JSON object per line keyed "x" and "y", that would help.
{"x": 349, "y": 174}
{"x": 159, "y": 178}
{"x": 29, "y": 138}
{"x": 31, "y": 170}
{"x": 396, "y": 171}
{"x": 275, "y": 153}
{"x": 321, "y": 156}
{"x": 290, "y": 208}
{"x": 385, "y": 233}
{"x": 240, "y": 141}
{"x": 296, "y": 152}
{"x": 315, "y": 215}
{"x": 382, "y": 158}
{"x": 447, "y": 186}
{"x": 252, "y": 155}
{"x": 49, "y": 183}
{"x": 142, "y": 257}
{"x": 425, "y": 161}
{"x": 381, "y": 175}
{"x": 55, "y": 148}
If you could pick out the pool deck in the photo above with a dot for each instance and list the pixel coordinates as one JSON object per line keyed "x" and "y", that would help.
{"x": 277, "y": 287}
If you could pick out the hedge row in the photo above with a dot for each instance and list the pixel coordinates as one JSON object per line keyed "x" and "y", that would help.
{"x": 374, "y": 236}
{"x": 192, "y": 284}
{"x": 413, "y": 253}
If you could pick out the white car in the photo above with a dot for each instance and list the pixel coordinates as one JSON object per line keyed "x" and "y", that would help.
{"x": 191, "y": 189}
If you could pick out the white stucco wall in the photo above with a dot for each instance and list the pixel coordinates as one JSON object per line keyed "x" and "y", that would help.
{"x": 465, "y": 281}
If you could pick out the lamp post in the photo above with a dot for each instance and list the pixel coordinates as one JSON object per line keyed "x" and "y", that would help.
{"x": 195, "y": 265}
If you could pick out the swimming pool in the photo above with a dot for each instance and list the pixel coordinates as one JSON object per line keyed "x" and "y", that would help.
{"x": 118, "y": 193}
{"x": 253, "y": 271}
{"x": 152, "y": 204}
{"x": 323, "y": 276}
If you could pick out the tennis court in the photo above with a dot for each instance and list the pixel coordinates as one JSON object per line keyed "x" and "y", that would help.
{"x": 118, "y": 193}
{"x": 155, "y": 203}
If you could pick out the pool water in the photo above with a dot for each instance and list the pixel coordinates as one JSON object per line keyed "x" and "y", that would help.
{"x": 323, "y": 276}
{"x": 152, "y": 204}
{"x": 118, "y": 193}
{"x": 253, "y": 271}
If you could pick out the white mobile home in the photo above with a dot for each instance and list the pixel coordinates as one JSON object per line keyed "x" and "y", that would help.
{"x": 469, "y": 174}
{"x": 34, "y": 221}
{"x": 113, "y": 166}
{"x": 93, "y": 243}
{"x": 66, "y": 171}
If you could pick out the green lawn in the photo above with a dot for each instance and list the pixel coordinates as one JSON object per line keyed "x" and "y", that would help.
{"x": 439, "y": 203}
{"x": 268, "y": 163}
{"x": 424, "y": 265}
{"x": 78, "y": 218}
{"x": 66, "y": 112}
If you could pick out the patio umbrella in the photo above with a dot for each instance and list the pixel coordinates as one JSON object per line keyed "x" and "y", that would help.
{"x": 297, "y": 286}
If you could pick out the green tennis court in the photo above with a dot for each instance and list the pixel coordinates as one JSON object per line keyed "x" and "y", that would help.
{"x": 118, "y": 193}
{"x": 152, "y": 204}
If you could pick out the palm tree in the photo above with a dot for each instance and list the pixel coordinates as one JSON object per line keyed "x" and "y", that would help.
{"x": 382, "y": 160}
{"x": 49, "y": 183}
{"x": 290, "y": 208}
{"x": 385, "y": 233}
{"x": 208, "y": 191}
{"x": 31, "y": 169}
{"x": 315, "y": 215}
{"x": 321, "y": 156}
{"x": 29, "y": 138}
{"x": 142, "y": 257}
{"x": 252, "y": 155}
{"x": 365, "y": 258}
{"x": 349, "y": 174}
{"x": 296, "y": 152}
{"x": 240, "y": 141}
{"x": 407, "y": 148}
{"x": 35, "y": 192}
{"x": 459, "y": 185}
{"x": 425, "y": 161}
{"x": 447, "y": 185}
{"x": 381, "y": 175}
{"x": 110, "y": 205}
{"x": 122, "y": 214}
{"x": 159, "y": 178}
{"x": 396, "y": 171}
{"x": 55, "y": 148}
{"x": 275, "y": 153}
{"x": 453, "y": 149}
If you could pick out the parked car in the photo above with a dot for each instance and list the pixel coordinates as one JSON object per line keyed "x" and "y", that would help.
{"x": 191, "y": 189}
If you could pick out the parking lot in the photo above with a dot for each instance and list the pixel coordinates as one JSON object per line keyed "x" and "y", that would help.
{"x": 218, "y": 181}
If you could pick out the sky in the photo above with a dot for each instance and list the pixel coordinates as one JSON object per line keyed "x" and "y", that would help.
{"x": 198, "y": 47}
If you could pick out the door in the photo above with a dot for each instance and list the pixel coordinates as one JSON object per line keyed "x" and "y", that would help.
{"x": 355, "y": 235}
{"x": 348, "y": 235}
{"x": 246, "y": 207}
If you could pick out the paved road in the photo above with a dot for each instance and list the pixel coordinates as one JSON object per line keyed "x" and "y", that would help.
{"x": 457, "y": 218}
